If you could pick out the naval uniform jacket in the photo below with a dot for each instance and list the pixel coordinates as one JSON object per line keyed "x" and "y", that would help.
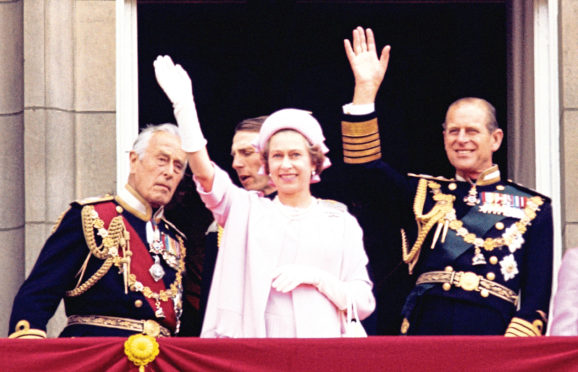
{"x": 501, "y": 287}
{"x": 55, "y": 275}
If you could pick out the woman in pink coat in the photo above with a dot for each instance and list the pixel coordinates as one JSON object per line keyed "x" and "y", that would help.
{"x": 286, "y": 267}
{"x": 565, "y": 310}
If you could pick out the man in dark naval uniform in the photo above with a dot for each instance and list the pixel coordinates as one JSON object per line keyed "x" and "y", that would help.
{"x": 479, "y": 248}
{"x": 116, "y": 262}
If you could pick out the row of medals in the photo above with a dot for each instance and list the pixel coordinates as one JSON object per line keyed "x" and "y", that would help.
{"x": 157, "y": 247}
{"x": 472, "y": 200}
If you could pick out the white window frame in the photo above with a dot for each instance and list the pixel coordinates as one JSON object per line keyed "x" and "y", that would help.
{"x": 547, "y": 117}
{"x": 126, "y": 86}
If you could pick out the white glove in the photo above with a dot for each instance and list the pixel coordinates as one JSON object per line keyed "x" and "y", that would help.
{"x": 176, "y": 84}
{"x": 288, "y": 277}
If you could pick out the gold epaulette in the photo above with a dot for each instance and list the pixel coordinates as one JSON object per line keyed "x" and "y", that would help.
{"x": 519, "y": 327}
{"x": 23, "y": 330}
{"x": 429, "y": 177}
{"x": 83, "y": 202}
{"x": 95, "y": 199}
{"x": 182, "y": 234}
{"x": 361, "y": 143}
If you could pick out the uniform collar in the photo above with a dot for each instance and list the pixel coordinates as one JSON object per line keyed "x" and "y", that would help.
{"x": 487, "y": 177}
{"x": 133, "y": 202}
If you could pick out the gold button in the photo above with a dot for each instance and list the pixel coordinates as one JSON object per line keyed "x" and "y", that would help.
{"x": 449, "y": 269}
{"x": 490, "y": 276}
{"x": 447, "y": 286}
{"x": 119, "y": 209}
{"x": 452, "y": 186}
{"x": 484, "y": 293}
{"x": 500, "y": 187}
{"x": 499, "y": 225}
{"x": 166, "y": 226}
{"x": 138, "y": 303}
{"x": 493, "y": 260}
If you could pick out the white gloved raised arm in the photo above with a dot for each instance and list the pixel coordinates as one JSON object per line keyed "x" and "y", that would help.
{"x": 176, "y": 84}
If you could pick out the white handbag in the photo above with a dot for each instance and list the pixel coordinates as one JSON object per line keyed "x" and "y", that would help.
{"x": 352, "y": 326}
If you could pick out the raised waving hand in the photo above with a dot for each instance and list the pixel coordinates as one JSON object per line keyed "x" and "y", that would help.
{"x": 176, "y": 84}
{"x": 368, "y": 69}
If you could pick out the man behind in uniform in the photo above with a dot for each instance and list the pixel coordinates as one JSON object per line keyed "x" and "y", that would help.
{"x": 116, "y": 262}
{"x": 479, "y": 247}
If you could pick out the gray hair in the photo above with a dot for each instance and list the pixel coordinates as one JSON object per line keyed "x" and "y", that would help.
{"x": 142, "y": 141}
{"x": 491, "y": 123}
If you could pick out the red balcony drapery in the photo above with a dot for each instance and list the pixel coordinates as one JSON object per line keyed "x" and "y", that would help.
{"x": 372, "y": 354}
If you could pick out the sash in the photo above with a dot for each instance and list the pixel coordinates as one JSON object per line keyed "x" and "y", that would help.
{"x": 140, "y": 263}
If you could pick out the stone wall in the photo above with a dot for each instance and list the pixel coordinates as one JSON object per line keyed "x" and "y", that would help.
{"x": 60, "y": 108}
{"x": 11, "y": 156}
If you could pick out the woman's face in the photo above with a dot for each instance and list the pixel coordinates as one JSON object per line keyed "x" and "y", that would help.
{"x": 290, "y": 163}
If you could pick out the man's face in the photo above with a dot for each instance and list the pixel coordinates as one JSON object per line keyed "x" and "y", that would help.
{"x": 157, "y": 174}
{"x": 247, "y": 161}
{"x": 468, "y": 143}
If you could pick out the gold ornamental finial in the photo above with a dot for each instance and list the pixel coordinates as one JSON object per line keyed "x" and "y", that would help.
{"x": 141, "y": 350}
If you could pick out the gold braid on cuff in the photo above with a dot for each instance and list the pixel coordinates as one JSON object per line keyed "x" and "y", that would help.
{"x": 522, "y": 328}
{"x": 361, "y": 143}
{"x": 23, "y": 330}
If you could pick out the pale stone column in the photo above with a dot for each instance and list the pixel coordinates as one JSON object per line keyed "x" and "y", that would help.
{"x": 95, "y": 98}
{"x": 11, "y": 158}
{"x": 69, "y": 95}
{"x": 49, "y": 117}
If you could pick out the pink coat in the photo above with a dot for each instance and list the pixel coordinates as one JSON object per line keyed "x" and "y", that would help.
{"x": 325, "y": 236}
{"x": 565, "y": 310}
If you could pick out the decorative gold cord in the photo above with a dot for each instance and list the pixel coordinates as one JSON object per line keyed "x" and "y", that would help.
{"x": 489, "y": 244}
{"x": 425, "y": 222}
{"x": 111, "y": 237}
{"x": 114, "y": 239}
{"x": 80, "y": 289}
{"x": 444, "y": 210}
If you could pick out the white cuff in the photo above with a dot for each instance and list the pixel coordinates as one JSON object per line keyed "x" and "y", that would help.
{"x": 364, "y": 109}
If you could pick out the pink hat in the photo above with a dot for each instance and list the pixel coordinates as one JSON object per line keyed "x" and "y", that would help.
{"x": 299, "y": 120}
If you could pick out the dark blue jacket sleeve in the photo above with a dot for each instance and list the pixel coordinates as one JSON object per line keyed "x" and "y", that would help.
{"x": 52, "y": 275}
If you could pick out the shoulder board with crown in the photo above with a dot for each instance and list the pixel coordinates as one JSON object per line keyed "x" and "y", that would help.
{"x": 174, "y": 228}
{"x": 94, "y": 200}
{"x": 429, "y": 177}
{"x": 333, "y": 205}
{"x": 528, "y": 190}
